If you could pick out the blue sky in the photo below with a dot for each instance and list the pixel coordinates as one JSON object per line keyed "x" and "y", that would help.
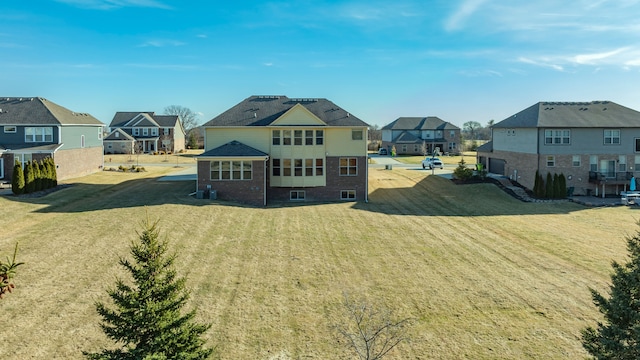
{"x": 460, "y": 60}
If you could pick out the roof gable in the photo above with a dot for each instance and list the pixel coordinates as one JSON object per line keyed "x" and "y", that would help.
{"x": 119, "y": 135}
{"x": 298, "y": 115}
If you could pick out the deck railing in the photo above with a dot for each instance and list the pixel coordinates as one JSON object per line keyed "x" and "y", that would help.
{"x": 609, "y": 176}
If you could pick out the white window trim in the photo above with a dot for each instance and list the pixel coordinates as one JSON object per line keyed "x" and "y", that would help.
{"x": 612, "y": 137}
{"x": 347, "y": 193}
{"x": 298, "y": 192}
{"x": 10, "y": 129}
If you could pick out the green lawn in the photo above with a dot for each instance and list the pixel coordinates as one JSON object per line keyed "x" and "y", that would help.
{"x": 484, "y": 275}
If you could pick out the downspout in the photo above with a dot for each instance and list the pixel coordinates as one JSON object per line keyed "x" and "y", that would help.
{"x": 264, "y": 186}
{"x": 366, "y": 180}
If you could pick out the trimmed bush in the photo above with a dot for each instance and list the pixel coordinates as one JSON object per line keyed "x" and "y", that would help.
{"x": 548, "y": 191}
{"x": 17, "y": 182}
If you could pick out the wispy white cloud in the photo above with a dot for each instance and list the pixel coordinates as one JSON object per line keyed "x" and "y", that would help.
{"x": 162, "y": 66}
{"x": 542, "y": 63}
{"x": 202, "y": 36}
{"x": 624, "y": 57}
{"x": 162, "y": 43}
{"x": 597, "y": 58}
{"x": 114, "y": 4}
{"x": 462, "y": 13}
{"x": 480, "y": 73}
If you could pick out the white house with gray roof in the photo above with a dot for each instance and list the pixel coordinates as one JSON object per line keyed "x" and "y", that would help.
{"x": 34, "y": 128}
{"x": 596, "y": 145}
{"x": 421, "y": 136}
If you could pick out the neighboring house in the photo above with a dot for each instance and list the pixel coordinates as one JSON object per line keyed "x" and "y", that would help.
{"x": 119, "y": 142}
{"x": 596, "y": 145}
{"x": 421, "y": 136}
{"x": 36, "y": 128}
{"x": 153, "y": 133}
{"x": 273, "y": 148}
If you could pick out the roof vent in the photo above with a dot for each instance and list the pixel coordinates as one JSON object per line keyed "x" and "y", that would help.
{"x": 255, "y": 115}
{"x": 347, "y": 114}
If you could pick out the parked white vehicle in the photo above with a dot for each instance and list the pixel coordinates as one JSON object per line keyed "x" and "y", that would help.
{"x": 432, "y": 162}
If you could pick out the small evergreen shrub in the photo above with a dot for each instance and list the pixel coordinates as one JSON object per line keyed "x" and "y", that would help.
{"x": 17, "y": 182}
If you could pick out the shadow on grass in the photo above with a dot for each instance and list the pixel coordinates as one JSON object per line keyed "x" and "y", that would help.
{"x": 81, "y": 197}
{"x": 437, "y": 196}
{"x": 431, "y": 196}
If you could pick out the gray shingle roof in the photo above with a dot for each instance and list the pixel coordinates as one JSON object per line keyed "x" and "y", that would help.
{"x": 233, "y": 149}
{"x": 264, "y": 110}
{"x": 407, "y": 138}
{"x": 420, "y": 123}
{"x": 574, "y": 115}
{"x": 40, "y": 111}
{"x": 122, "y": 136}
{"x": 123, "y": 117}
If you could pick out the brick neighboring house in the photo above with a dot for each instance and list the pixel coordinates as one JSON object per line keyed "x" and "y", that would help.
{"x": 596, "y": 145}
{"x": 35, "y": 128}
{"x": 152, "y": 133}
{"x": 420, "y": 136}
{"x": 273, "y": 148}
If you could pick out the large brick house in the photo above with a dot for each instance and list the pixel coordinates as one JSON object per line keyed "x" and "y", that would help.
{"x": 595, "y": 145}
{"x": 34, "y": 128}
{"x": 420, "y": 136}
{"x": 273, "y": 148}
{"x": 152, "y": 133}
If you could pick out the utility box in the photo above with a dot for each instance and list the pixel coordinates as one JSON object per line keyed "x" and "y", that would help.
{"x": 213, "y": 195}
{"x": 200, "y": 194}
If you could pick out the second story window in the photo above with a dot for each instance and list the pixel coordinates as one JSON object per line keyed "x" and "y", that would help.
{"x": 319, "y": 137}
{"x": 557, "y": 137}
{"x": 275, "y": 137}
{"x": 154, "y": 131}
{"x": 145, "y": 131}
{"x": 10, "y": 129}
{"x": 356, "y": 134}
{"x": 136, "y": 131}
{"x": 612, "y": 137}
{"x": 297, "y": 137}
{"x": 38, "y": 134}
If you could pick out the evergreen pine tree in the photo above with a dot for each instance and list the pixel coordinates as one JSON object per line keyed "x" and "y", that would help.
{"x": 147, "y": 317}
{"x": 17, "y": 181}
{"x": 618, "y": 337}
{"x": 43, "y": 175}
{"x": 539, "y": 191}
{"x": 548, "y": 192}
{"x": 556, "y": 187}
{"x": 37, "y": 175}
{"x": 54, "y": 173}
{"x": 563, "y": 185}
{"x": 29, "y": 178}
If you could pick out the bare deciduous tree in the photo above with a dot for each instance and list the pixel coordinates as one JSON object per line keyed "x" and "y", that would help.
{"x": 370, "y": 331}
{"x": 188, "y": 117}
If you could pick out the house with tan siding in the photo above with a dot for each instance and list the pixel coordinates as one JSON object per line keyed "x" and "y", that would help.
{"x": 279, "y": 149}
{"x": 34, "y": 128}
{"x": 595, "y": 145}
